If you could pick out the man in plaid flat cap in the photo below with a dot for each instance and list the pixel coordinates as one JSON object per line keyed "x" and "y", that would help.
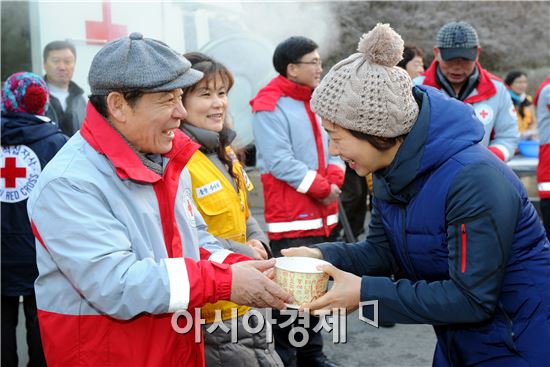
{"x": 120, "y": 245}
{"x": 456, "y": 71}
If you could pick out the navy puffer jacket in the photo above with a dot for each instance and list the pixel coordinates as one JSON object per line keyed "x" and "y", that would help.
{"x": 456, "y": 222}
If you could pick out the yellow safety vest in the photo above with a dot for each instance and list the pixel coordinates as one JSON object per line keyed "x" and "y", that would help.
{"x": 224, "y": 210}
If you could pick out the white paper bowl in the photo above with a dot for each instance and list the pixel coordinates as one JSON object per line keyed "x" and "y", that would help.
{"x": 300, "y": 277}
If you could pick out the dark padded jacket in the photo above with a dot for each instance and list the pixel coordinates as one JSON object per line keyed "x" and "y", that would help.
{"x": 70, "y": 120}
{"x": 41, "y": 139}
{"x": 456, "y": 222}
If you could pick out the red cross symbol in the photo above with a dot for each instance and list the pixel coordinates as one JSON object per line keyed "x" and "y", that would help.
{"x": 104, "y": 31}
{"x": 483, "y": 114}
{"x": 10, "y": 172}
{"x": 189, "y": 208}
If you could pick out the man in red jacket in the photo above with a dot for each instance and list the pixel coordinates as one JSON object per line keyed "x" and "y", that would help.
{"x": 301, "y": 181}
{"x": 456, "y": 72}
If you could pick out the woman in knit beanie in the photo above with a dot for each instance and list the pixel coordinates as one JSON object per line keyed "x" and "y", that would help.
{"x": 448, "y": 216}
{"x": 29, "y": 142}
{"x": 25, "y": 92}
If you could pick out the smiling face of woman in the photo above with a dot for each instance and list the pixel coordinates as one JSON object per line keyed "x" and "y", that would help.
{"x": 519, "y": 85}
{"x": 360, "y": 155}
{"x": 206, "y": 104}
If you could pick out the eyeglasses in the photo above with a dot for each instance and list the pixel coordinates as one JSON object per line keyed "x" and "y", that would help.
{"x": 313, "y": 62}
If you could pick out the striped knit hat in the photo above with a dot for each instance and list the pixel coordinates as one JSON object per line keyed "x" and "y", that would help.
{"x": 25, "y": 92}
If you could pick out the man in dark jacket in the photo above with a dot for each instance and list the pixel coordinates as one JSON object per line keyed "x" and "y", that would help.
{"x": 67, "y": 102}
{"x": 29, "y": 141}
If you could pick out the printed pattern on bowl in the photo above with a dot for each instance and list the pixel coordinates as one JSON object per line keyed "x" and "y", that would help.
{"x": 305, "y": 287}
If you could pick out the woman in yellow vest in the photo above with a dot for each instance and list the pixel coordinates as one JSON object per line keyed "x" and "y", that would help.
{"x": 220, "y": 187}
{"x": 517, "y": 86}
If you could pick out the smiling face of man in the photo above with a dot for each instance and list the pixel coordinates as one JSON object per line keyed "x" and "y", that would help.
{"x": 307, "y": 71}
{"x": 150, "y": 124}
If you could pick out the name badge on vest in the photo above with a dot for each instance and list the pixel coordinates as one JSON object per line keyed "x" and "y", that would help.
{"x": 208, "y": 189}
{"x": 19, "y": 171}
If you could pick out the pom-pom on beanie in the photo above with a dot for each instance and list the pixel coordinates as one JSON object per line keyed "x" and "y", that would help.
{"x": 366, "y": 92}
{"x": 25, "y": 92}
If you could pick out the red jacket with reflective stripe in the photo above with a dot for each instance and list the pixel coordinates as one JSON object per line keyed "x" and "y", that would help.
{"x": 293, "y": 158}
{"x": 118, "y": 253}
{"x": 542, "y": 103}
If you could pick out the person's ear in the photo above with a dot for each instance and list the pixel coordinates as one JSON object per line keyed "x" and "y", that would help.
{"x": 291, "y": 71}
{"x": 437, "y": 55}
{"x": 117, "y": 106}
{"x": 478, "y": 53}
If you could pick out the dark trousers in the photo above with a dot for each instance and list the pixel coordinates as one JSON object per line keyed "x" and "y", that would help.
{"x": 290, "y": 355}
{"x": 545, "y": 211}
{"x": 10, "y": 315}
{"x": 354, "y": 200}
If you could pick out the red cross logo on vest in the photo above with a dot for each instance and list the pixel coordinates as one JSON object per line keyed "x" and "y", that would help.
{"x": 10, "y": 172}
{"x": 188, "y": 207}
{"x": 484, "y": 113}
{"x": 104, "y": 31}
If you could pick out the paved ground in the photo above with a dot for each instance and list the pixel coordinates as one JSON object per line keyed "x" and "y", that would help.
{"x": 401, "y": 345}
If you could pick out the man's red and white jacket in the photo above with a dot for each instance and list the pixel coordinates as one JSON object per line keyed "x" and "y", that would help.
{"x": 293, "y": 158}
{"x": 118, "y": 253}
{"x": 542, "y": 103}
{"x": 492, "y": 105}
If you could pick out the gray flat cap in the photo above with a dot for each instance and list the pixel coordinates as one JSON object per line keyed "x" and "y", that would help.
{"x": 457, "y": 40}
{"x": 137, "y": 63}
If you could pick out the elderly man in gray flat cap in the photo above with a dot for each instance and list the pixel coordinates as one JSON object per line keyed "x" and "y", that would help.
{"x": 124, "y": 257}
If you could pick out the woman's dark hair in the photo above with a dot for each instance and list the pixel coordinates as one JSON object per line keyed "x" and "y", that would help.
{"x": 212, "y": 68}
{"x": 409, "y": 53}
{"x": 100, "y": 101}
{"x": 509, "y": 80}
{"x": 513, "y": 75}
{"x": 378, "y": 142}
{"x": 291, "y": 51}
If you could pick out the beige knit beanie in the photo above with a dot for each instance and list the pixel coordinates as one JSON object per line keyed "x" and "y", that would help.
{"x": 367, "y": 92}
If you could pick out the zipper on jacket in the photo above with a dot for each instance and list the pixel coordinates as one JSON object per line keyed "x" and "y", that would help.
{"x": 510, "y": 328}
{"x": 405, "y": 245}
{"x": 463, "y": 248}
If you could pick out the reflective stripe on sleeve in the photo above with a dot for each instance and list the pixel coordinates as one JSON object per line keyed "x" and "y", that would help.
{"x": 332, "y": 219}
{"x": 306, "y": 182}
{"x": 179, "y": 284}
{"x": 504, "y": 151}
{"x": 219, "y": 256}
